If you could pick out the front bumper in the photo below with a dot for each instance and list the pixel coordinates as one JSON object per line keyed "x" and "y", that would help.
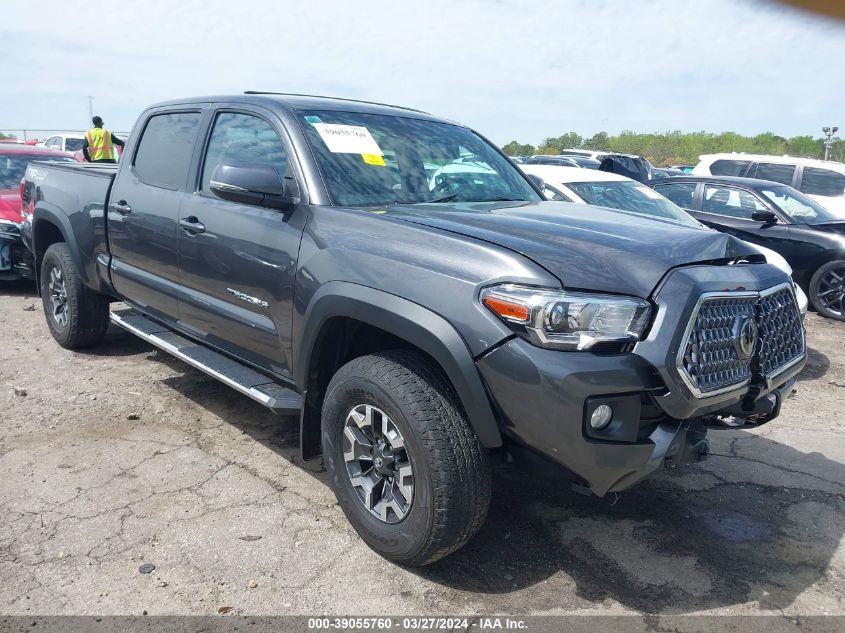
{"x": 16, "y": 260}
{"x": 544, "y": 398}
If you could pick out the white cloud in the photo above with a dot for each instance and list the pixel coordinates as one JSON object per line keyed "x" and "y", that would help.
{"x": 510, "y": 69}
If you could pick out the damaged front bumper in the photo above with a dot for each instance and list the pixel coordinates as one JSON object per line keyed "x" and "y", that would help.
{"x": 545, "y": 398}
{"x": 16, "y": 261}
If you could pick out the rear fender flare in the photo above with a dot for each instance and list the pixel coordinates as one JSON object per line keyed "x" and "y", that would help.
{"x": 45, "y": 212}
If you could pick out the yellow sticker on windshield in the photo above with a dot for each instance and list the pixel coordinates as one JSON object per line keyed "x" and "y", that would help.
{"x": 373, "y": 159}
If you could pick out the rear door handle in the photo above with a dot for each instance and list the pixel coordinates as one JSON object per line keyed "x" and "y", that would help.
{"x": 192, "y": 225}
{"x": 121, "y": 207}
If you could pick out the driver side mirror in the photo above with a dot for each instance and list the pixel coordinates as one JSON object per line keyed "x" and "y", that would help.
{"x": 764, "y": 216}
{"x": 257, "y": 184}
{"x": 538, "y": 182}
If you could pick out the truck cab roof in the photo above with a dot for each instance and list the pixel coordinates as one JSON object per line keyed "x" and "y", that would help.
{"x": 300, "y": 102}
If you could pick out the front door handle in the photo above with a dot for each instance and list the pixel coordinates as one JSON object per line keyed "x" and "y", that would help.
{"x": 121, "y": 207}
{"x": 192, "y": 225}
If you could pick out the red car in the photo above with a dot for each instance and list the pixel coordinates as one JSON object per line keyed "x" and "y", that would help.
{"x": 15, "y": 260}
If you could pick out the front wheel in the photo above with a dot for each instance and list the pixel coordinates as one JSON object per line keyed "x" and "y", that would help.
{"x": 406, "y": 466}
{"x": 76, "y": 315}
{"x": 827, "y": 290}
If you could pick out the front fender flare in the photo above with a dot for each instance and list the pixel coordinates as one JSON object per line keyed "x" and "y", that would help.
{"x": 411, "y": 322}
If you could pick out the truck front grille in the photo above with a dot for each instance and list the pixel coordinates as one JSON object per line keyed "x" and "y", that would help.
{"x": 712, "y": 358}
{"x": 781, "y": 331}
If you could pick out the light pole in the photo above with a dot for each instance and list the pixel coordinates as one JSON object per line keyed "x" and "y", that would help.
{"x": 828, "y": 140}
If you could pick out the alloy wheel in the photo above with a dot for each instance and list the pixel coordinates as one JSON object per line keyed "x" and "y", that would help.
{"x": 58, "y": 296}
{"x": 377, "y": 463}
{"x": 831, "y": 290}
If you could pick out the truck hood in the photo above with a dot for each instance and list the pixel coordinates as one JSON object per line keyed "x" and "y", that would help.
{"x": 585, "y": 247}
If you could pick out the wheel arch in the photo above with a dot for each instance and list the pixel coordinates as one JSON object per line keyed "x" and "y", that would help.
{"x": 817, "y": 262}
{"x": 49, "y": 226}
{"x": 396, "y": 322}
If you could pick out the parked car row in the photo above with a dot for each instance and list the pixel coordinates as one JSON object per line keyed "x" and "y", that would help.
{"x": 563, "y": 161}
{"x": 822, "y": 181}
{"x": 792, "y": 230}
{"x": 774, "y": 215}
{"x": 604, "y": 189}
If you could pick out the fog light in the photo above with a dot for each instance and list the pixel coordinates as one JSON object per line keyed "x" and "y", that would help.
{"x": 601, "y": 417}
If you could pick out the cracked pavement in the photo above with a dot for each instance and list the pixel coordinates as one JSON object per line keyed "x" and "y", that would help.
{"x": 207, "y": 486}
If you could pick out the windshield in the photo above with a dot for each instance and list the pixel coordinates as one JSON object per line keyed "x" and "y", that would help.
{"x": 631, "y": 196}
{"x": 73, "y": 144}
{"x": 375, "y": 160}
{"x": 13, "y": 166}
{"x": 797, "y": 206}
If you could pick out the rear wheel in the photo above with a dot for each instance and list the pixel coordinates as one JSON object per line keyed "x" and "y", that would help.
{"x": 76, "y": 315}
{"x": 406, "y": 466}
{"x": 827, "y": 290}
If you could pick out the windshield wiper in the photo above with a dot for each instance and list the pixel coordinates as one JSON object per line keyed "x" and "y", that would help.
{"x": 452, "y": 196}
{"x": 448, "y": 198}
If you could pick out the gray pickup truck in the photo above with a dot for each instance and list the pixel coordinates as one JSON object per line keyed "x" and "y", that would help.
{"x": 396, "y": 282}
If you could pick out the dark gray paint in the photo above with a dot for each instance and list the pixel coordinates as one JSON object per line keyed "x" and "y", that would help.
{"x": 71, "y": 197}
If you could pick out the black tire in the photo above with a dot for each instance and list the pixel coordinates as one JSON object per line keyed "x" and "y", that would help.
{"x": 824, "y": 295}
{"x": 85, "y": 314}
{"x": 451, "y": 473}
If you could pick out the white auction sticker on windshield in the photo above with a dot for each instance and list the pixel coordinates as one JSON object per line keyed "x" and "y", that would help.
{"x": 348, "y": 139}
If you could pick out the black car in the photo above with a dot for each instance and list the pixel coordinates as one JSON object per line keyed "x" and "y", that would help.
{"x": 628, "y": 165}
{"x": 774, "y": 215}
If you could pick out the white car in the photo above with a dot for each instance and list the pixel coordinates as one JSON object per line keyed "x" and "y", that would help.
{"x": 821, "y": 180}
{"x": 67, "y": 141}
{"x": 467, "y": 171}
{"x": 604, "y": 189}
{"x": 587, "y": 153}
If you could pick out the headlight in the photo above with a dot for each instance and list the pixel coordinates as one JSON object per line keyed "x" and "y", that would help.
{"x": 568, "y": 320}
{"x": 801, "y": 298}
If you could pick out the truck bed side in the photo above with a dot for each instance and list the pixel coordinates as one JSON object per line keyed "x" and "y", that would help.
{"x": 68, "y": 203}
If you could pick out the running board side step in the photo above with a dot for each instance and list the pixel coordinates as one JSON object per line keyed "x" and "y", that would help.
{"x": 274, "y": 396}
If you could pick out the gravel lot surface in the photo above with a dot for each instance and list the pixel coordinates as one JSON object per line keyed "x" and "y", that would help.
{"x": 121, "y": 458}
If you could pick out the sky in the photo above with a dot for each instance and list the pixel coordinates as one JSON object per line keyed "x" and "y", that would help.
{"x": 513, "y": 70}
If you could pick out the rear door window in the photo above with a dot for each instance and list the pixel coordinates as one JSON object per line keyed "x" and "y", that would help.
{"x": 822, "y": 182}
{"x": 164, "y": 152}
{"x": 730, "y": 202}
{"x": 729, "y": 167}
{"x": 776, "y": 172}
{"x": 681, "y": 193}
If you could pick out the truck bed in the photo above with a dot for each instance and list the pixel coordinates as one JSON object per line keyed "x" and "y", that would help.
{"x": 108, "y": 169}
{"x": 78, "y": 195}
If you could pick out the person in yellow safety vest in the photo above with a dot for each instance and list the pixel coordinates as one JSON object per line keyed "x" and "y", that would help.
{"x": 99, "y": 143}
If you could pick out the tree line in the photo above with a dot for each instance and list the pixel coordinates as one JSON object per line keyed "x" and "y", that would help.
{"x": 682, "y": 148}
